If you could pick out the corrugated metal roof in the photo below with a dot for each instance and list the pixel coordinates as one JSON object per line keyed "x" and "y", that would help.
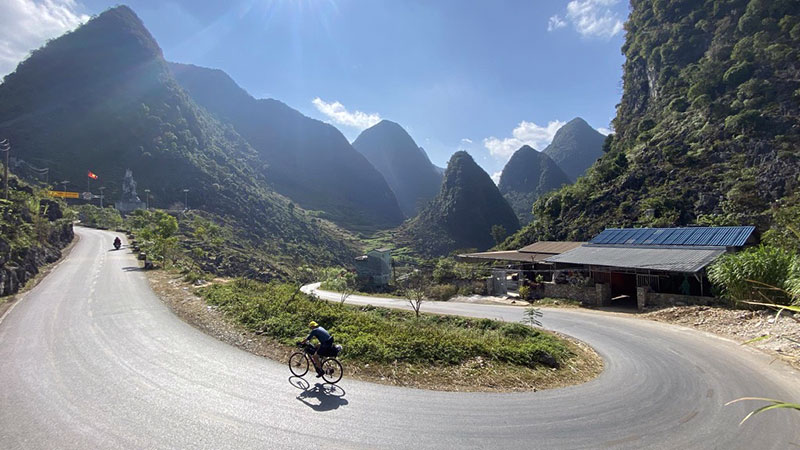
{"x": 551, "y": 247}
{"x": 511, "y": 255}
{"x": 689, "y": 236}
{"x": 536, "y": 252}
{"x": 685, "y": 260}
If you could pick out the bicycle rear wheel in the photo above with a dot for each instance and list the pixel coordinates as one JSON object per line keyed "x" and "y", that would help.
{"x": 298, "y": 364}
{"x": 332, "y": 370}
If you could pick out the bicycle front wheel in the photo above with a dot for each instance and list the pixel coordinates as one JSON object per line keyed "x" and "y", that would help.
{"x": 298, "y": 364}
{"x": 332, "y": 370}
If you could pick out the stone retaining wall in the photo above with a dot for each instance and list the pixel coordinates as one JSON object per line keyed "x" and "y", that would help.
{"x": 645, "y": 297}
{"x": 586, "y": 295}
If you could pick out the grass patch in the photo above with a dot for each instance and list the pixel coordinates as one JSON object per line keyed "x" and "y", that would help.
{"x": 384, "y": 336}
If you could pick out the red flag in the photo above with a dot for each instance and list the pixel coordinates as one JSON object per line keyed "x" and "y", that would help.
{"x": 92, "y": 176}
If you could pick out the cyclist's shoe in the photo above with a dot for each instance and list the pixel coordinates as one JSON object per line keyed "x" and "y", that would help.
{"x": 319, "y": 373}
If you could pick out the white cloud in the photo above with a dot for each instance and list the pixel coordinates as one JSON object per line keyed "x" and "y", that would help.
{"x": 605, "y": 131}
{"x": 466, "y": 141}
{"x": 26, "y": 25}
{"x": 555, "y": 23}
{"x": 496, "y": 177}
{"x": 526, "y": 133}
{"x": 341, "y": 116}
{"x": 590, "y": 18}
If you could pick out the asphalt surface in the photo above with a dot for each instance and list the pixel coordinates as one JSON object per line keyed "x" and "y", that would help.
{"x": 91, "y": 358}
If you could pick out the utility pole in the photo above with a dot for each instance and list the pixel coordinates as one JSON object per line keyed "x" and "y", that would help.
{"x": 185, "y": 199}
{"x": 5, "y": 147}
{"x": 101, "y": 196}
{"x": 147, "y": 199}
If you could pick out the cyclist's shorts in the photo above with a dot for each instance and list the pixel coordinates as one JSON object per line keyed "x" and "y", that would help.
{"x": 326, "y": 349}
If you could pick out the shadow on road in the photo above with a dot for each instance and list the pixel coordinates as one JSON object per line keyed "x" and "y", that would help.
{"x": 133, "y": 269}
{"x": 321, "y": 397}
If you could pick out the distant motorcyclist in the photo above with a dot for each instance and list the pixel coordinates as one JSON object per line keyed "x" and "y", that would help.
{"x": 117, "y": 243}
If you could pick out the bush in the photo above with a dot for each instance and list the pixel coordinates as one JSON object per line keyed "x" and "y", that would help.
{"x": 753, "y": 274}
{"x": 96, "y": 217}
{"x": 371, "y": 334}
{"x": 442, "y": 292}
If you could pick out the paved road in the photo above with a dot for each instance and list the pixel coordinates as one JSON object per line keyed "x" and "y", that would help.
{"x": 90, "y": 358}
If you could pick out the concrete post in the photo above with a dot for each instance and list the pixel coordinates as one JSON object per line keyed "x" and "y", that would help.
{"x": 641, "y": 297}
{"x": 603, "y": 294}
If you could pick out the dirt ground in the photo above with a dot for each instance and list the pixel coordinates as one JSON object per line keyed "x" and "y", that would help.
{"x": 779, "y": 336}
{"x": 475, "y": 375}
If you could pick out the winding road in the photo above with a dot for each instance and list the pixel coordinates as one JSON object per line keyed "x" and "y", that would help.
{"x": 91, "y": 358}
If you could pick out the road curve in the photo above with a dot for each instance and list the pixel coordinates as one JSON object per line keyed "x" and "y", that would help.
{"x": 91, "y": 358}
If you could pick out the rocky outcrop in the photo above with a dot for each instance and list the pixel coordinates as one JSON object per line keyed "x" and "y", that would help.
{"x": 19, "y": 260}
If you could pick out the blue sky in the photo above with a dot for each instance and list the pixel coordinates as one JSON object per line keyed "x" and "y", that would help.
{"x": 483, "y": 76}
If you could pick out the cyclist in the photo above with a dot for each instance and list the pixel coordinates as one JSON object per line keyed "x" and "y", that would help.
{"x": 325, "y": 344}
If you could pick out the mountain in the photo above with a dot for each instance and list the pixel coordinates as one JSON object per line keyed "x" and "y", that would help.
{"x": 575, "y": 147}
{"x": 404, "y": 165}
{"x": 528, "y": 174}
{"x": 102, "y": 98}
{"x": 462, "y": 214}
{"x": 706, "y": 130}
{"x": 309, "y": 161}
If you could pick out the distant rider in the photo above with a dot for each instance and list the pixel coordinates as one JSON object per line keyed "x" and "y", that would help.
{"x": 325, "y": 344}
{"x": 117, "y": 243}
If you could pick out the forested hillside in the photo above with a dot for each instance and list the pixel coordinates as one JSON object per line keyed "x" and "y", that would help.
{"x": 575, "y": 147}
{"x": 463, "y": 214}
{"x": 405, "y": 165}
{"x": 309, "y": 161}
{"x": 528, "y": 175}
{"x": 707, "y": 130}
{"x": 102, "y": 98}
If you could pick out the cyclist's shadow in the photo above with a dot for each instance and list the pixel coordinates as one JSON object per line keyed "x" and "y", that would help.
{"x": 320, "y": 397}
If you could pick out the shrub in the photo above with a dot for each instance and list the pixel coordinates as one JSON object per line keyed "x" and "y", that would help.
{"x": 443, "y": 292}
{"x": 371, "y": 334}
{"x": 754, "y": 273}
{"x": 94, "y": 216}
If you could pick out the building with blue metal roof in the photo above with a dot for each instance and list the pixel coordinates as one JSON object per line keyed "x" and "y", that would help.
{"x": 682, "y": 237}
{"x": 665, "y": 265}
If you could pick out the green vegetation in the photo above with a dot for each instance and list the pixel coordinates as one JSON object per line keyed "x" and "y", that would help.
{"x": 706, "y": 128}
{"x": 109, "y": 102}
{"x": 575, "y": 147}
{"x": 380, "y": 335}
{"x": 404, "y": 164}
{"x": 763, "y": 273}
{"x": 309, "y": 161}
{"x": 96, "y": 217}
{"x": 155, "y": 234}
{"x": 462, "y": 215}
{"x": 339, "y": 279}
{"x": 202, "y": 245}
{"x": 33, "y": 230}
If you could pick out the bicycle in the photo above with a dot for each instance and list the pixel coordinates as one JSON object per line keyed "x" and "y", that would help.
{"x": 331, "y": 367}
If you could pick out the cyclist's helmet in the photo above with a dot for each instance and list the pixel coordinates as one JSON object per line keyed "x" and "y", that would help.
{"x": 312, "y": 324}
